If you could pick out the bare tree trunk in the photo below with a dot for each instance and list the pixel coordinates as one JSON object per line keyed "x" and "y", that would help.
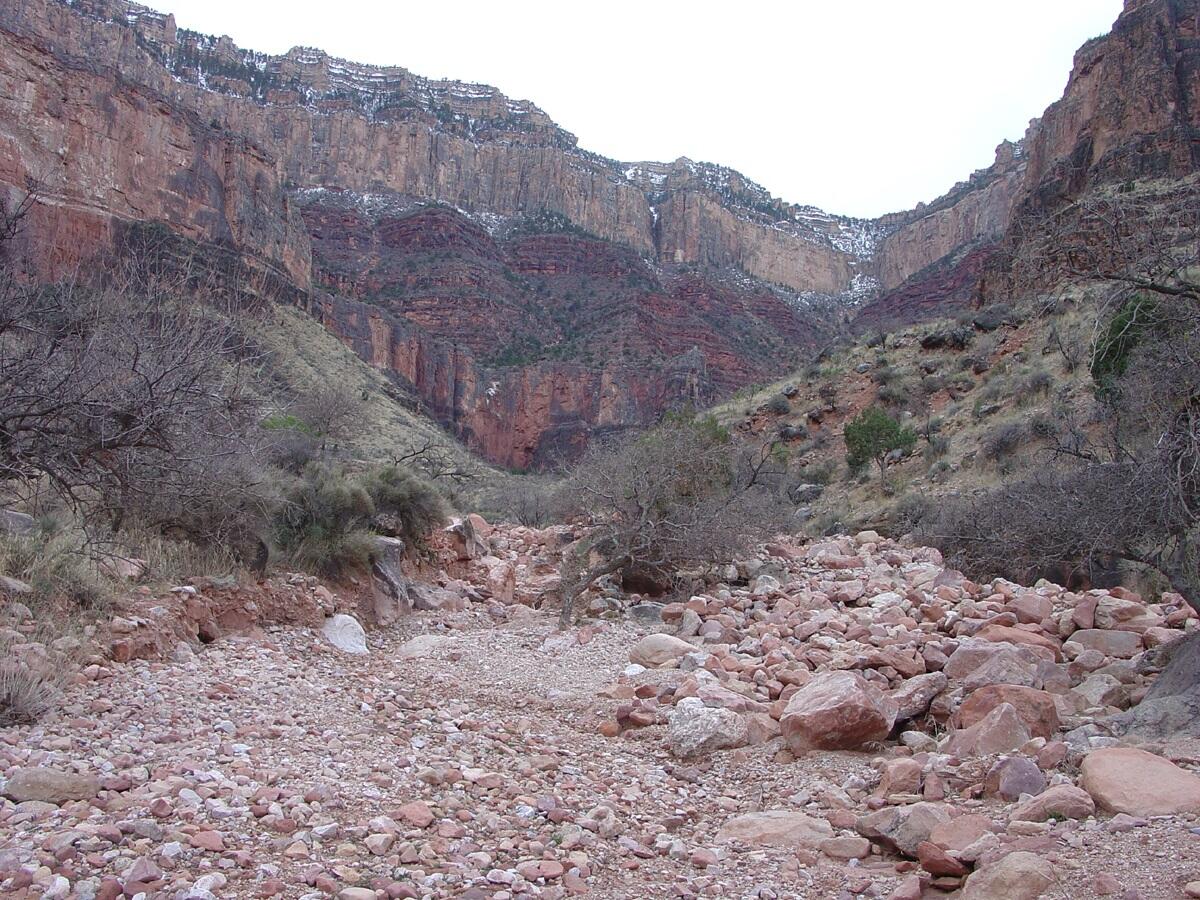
{"x": 583, "y": 583}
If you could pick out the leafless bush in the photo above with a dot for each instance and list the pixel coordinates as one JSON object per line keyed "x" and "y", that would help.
{"x": 999, "y": 444}
{"x": 329, "y": 413}
{"x": 678, "y": 494}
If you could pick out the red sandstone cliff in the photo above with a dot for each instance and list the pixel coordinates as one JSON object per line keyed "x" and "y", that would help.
{"x": 571, "y": 293}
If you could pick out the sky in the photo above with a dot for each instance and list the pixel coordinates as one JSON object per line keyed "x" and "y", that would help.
{"x": 859, "y": 108}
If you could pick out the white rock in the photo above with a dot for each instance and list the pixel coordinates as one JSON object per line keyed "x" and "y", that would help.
{"x": 345, "y": 633}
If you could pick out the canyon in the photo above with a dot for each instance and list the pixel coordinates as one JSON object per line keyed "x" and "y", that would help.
{"x": 529, "y": 293}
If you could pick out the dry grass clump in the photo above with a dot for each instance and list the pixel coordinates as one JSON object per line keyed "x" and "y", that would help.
{"x": 31, "y": 678}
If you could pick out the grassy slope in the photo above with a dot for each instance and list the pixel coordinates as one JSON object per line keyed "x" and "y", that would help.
{"x": 969, "y": 418}
{"x": 305, "y": 355}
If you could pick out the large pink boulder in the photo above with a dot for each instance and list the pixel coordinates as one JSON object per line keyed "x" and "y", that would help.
{"x": 1018, "y": 876}
{"x": 1008, "y": 635}
{"x": 1035, "y": 708}
{"x": 1125, "y": 780}
{"x": 837, "y": 711}
{"x": 1121, "y": 644}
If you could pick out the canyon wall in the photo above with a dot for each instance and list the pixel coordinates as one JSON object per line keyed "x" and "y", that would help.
{"x": 331, "y": 123}
{"x": 974, "y": 212}
{"x": 529, "y": 292}
{"x": 103, "y": 151}
{"x": 1128, "y": 122}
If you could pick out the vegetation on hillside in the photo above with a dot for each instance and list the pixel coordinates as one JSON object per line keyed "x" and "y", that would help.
{"x": 148, "y": 431}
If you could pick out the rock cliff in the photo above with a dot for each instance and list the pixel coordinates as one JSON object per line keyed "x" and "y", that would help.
{"x": 526, "y": 341}
{"x": 1130, "y": 114}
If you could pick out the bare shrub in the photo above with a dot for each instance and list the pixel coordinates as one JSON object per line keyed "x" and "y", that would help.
{"x": 329, "y": 412}
{"x": 682, "y": 493}
{"x": 1003, "y": 441}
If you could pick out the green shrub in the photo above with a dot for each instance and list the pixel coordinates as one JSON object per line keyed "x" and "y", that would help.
{"x": 329, "y": 517}
{"x": 406, "y": 504}
{"x": 1137, "y": 318}
{"x": 872, "y": 435}
{"x": 322, "y": 524}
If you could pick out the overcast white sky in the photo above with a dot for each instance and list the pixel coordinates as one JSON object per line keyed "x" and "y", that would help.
{"x": 860, "y": 108}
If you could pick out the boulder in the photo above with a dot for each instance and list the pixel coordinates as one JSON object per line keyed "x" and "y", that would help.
{"x": 1062, "y": 801}
{"x": 657, "y": 650}
{"x": 902, "y": 829}
{"x": 1031, "y": 608}
{"x": 837, "y": 711}
{"x": 465, "y": 540}
{"x": 1018, "y": 876}
{"x": 502, "y": 583}
{"x": 977, "y": 663}
{"x": 1116, "y": 613}
{"x": 13, "y": 522}
{"x": 960, "y": 832}
{"x": 938, "y": 862}
{"x": 900, "y": 776}
{"x": 1099, "y": 690}
{"x": 914, "y": 695}
{"x": 1121, "y": 644}
{"x": 1009, "y": 635}
{"x": 1013, "y": 776}
{"x": 345, "y": 633}
{"x": 776, "y": 828}
{"x": 1000, "y": 731}
{"x": 698, "y": 730}
{"x": 1033, "y": 707}
{"x": 13, "y": 587}
{"x": 1126, "y": 780}
{"x": 49, "y": 786}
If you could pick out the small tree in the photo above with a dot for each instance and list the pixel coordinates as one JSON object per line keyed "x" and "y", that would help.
{"x": 872, "y": 435}
{"x": 330, "y": 411}
{"x": 679, "y": 494}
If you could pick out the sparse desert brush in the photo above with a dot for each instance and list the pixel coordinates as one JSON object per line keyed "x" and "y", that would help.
{"x": 999, "y": 444}
{"x": 31, "y": 678}
{"x": 778, "y": 405}
{"x": 56, "y": 564}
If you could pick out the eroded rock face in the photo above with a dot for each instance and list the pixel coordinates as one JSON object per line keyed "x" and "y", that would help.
{"x": 446, "y": 308}
{"x": 108, "y": 152}
{"x": 1126, "y": 114}
{"x": 128, "y": 121}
